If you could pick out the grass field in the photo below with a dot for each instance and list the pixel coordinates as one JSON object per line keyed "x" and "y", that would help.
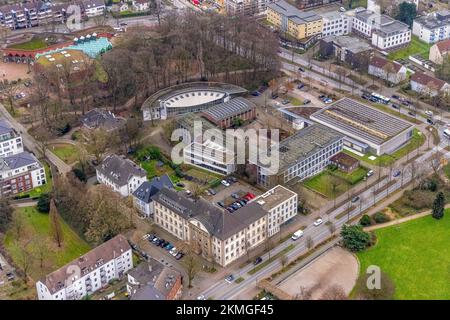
{"x": 66, "y": 152}
{"x": 416, "y": 256}
{"x": 36, "y": 230}
{"x": 33, "y": 44}
{"x": 353, "y": 177}
{"x": 416, "y": 46}
{"x": 417, "y": 140}
{"x": 321, "y": 184}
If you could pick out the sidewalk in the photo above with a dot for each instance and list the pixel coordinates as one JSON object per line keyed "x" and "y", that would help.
{"x": 401, "y": 220}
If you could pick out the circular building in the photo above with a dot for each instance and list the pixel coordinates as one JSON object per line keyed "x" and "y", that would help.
{"x": 188, "y": 97}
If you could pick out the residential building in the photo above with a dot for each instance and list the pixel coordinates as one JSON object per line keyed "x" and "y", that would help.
{"x": 345, "y": 162}
{"x": 387, "y": 70}
{"x": 142, "y": 196}
{"x": 385, "y": 32}
{"x": 10, "y": 141}
{"x": 93, "y": 8}
{"x": 152, "y": 280}
{"x": 213, "y": 233}
{"x": 20, "y": 172}
{"x": 302, "y": 155}
{"x": 100, "y": 118}
{"x": 141, "y": 5}
{"x": 120, "y": 174}
{"x": 433, "y": 27}
{"x": 245, "y": 7}
{"x": 306, "y": 4}
{"x": 281, "y": 205}
{"x": 439, "y": 51}
{"x": 336, "y": 23}
{"x": 366, "y": 129}
{"x": 290, "y": 20}
{"x": 224, "y": 115}
{"x": 428, "y": 85}
{"x": 350, "y": 50}
{"x": 88, "y": 273}
{"x": 211, "y": 156}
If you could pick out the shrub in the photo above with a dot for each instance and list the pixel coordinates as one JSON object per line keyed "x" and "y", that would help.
{"x": 380, "y": 217}
{"x": 365, "y": 221}
{"x": 80, "y": 174}
{"x": 355, "y": 238}
{"x": 43, "y": 204}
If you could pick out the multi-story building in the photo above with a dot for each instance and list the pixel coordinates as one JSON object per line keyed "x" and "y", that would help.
{"x": 142, "y": 197}
{"x": 93, "y": 8}
{"x": 224, "y": 115}
{"x": 281, "y": 205}
{"x": 428, "y": 85}
{"x": 387, "y": 70}
{"x": 306, "y": 4}
{"x": 245, "y": 7}
{"x": 213, "y": 232}
{"x": 10, "y": 141}
{"x": 350, "y": 50}
{"x": 439, "y": 51}
{"x": 385, "y": 33}
{"x": 19, "y": 173}
{"x": 296, "y": 23}
{"x": 336, "y": 23}
{"x": 99, "y": 118}
{"x": 302, "y": 155}
{"x": 433, "y": 27}
{"x": 120, "y": 174}
{"x": 152, "y": 280}
{"x": 366, "y": 129}
{"x": 89, "y": 273}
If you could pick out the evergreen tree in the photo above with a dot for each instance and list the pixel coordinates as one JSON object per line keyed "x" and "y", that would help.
{"x": 406, "y": 13}
{"x": 438, "y": 206}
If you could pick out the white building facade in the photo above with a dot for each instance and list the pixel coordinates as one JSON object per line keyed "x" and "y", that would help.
{"x": 89, "y": 273}
{"x": 433, "y": 27}
{"x": 336, "y": 24}
{"x": 10, "y": 141}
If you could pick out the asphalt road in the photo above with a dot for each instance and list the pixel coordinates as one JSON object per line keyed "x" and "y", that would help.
{"x": 227, "y": 291}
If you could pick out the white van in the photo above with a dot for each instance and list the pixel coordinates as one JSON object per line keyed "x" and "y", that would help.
{"x": 297, "y": 234}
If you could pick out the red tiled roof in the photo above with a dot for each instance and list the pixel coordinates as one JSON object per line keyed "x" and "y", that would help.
{"x": 380, "y": 63}
{"x": 426, "y": 80}
{"x": 443, "y": 46}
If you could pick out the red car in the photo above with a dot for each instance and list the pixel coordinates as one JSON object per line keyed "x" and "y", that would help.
{"x": 250, "y": 195}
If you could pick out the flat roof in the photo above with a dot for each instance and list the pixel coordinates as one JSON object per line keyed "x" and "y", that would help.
{"x": 288, "y": 10}
{"x": 305, "y": 143}
{"x": 353, "y": 44}
{"x": 352, "y": 117}
{"x": 274, "y": 197}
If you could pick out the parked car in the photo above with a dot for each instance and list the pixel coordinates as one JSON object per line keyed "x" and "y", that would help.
{"x": 225, "y": 183}
{"x": 230, "y": 209}
{"x": 235, "y": 195}
{"x": 321, "y": 96}
{"x": 285, "y": 101}
{"x": 242, "y": 203}
{"x": 396, "y": 173}
{"x": 256, "y": 93}
{"x": 173, "y": 251}
{"x": 429, "y": 113}
{"x": 365, "y": 96}
{"x": 306, "y": 101}
{"x": 229, "y": 278}
{"x": 274, "y": 96}
{"x": 257, "y": 261}
{"x": 145, "y": 255}
{"x": 318, "y": 222}
{"x": 297, "y": 234}
{"x": 300, "y": 86}
{"x": 355, "y": 199}
{"x": 220, "y": 203}
{"x": 411, "y": 113}
{"x": 238, "y": 204}
{"x": 232, "y": 179}
{"x": 328, "y": 100}
{"x": 250, "y": 195}
{"x": 10, "y": 276}
{"x": 394, "y": 96}
{"x": 180, "y": 184}
{"x": 201, "y": 297}
{"x": 179, "y": 255}
{"x": 370, "y": 173}
{"x": 395, "y": 106}
{"x": 430, "y": 121}
{"x": 301, "y": 69}
{"x": 244, "y": 200}
{"x": 212, "y": 191}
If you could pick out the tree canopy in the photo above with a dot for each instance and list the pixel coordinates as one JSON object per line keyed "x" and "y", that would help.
{"x": 406, "y": 13}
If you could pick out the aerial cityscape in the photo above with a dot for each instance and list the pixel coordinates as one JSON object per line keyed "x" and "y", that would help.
{"x": 224, "y": 150}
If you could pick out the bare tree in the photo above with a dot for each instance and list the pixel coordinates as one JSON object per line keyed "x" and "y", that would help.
{"x": 98, "y": 142}
{"x": 191, "y": 265}
{"x": 283, "y": 260}
{"x": 18, "y": 225}
{"x": 309, "y": 242}
{"x": 24, "y": 259}
{"x": 334, "y": 292}
{"x": 55, "y": 224}
{"x": 41, "y": 250}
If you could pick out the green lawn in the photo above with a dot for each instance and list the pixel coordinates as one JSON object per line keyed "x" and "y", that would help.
{"x": 353, "y": 177}
{"x": 46, "y": 188}
{"x": 321, "y": 184}
{"x": 417, "y": 140}
{"x": 416, "y": 256}
{"x": 416, "y": 46}
{"x": 38, "y": 225}
{"x": 33, "y": 44}
{"x": 296, "y": 101}
{"x": 66, "y": 152}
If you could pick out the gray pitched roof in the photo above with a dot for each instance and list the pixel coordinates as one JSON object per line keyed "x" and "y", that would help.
{"x": 218, "y": 222}
{"x": 101, "y": 118}
{"x": 228, "y": 109}
{"x": 149, "y": 188}
{"x": 5, "y": 127}
{"x": 119, "y": 169}
{"x": 17, "y": 161}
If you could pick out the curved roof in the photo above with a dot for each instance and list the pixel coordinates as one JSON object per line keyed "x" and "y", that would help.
{"x": 192, "y": 93}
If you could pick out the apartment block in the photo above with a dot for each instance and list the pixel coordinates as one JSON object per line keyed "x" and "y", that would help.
{"x": 433, "y": 27}
{"x": 296, "y": 23}
{"x": 89, "y": 273}
{"x": 10, "y": 141}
